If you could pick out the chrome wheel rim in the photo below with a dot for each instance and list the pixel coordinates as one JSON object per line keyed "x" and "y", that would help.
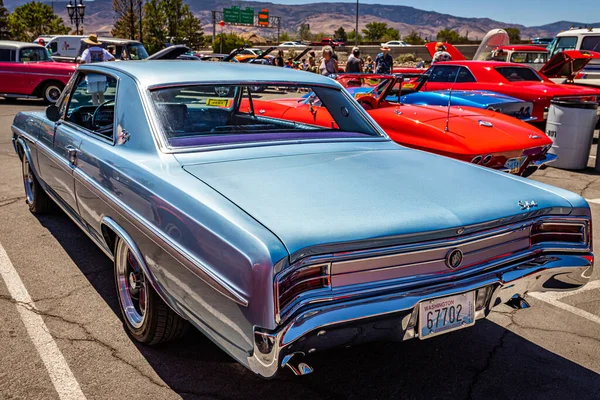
{"x": 28, "y": 180}
{"x": 52, "y": 93}
{"x": 132, "y": 286}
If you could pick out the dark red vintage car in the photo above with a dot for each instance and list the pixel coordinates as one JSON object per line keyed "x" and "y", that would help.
{"x": 28, "y": 71}
{"x": 483, "y": 137}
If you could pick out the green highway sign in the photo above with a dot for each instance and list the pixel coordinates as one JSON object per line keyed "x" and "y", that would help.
{"x": 247, "y": 16}
{"x": 231, "y": 15}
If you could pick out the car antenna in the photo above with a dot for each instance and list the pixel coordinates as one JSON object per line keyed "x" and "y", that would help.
{"x": 450, "y": 99}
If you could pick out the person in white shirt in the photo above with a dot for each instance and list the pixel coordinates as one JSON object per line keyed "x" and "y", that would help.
{"x": 94, "y": 53}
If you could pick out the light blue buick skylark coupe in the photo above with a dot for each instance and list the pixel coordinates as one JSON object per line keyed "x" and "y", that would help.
{"x": 276, "y": 238}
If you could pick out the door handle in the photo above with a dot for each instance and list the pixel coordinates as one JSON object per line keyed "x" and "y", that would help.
{"x": 72, "y": 154}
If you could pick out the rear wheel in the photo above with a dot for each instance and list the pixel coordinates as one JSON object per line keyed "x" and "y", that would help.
{"x": 36, "y": 198}
{"x": 146, "y": 316}
{"x": 51, "y": 92}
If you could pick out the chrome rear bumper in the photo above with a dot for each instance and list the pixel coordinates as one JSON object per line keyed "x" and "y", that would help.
{"x": 393, "y": 316}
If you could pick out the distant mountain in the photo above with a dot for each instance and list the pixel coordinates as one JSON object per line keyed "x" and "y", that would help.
{"x": 325, "y": 17}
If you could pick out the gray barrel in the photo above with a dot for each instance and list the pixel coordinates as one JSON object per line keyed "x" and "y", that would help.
{"x": 570, "y": 125}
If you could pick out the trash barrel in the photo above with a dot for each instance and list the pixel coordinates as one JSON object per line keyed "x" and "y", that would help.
{"x": 570, "y": 125}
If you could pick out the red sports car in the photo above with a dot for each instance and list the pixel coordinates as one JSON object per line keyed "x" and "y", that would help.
{"x": 27, "y": 70}
{"x": 516, "y": 80}
{"x": 475, "y": 135}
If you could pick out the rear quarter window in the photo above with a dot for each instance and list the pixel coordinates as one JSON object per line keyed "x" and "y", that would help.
{"x": 6, "y": 55}
{"x": 517, "y": 74}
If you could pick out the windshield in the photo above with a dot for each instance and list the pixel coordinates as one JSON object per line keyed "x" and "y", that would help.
{"x": 360, "y": 86}
{"x": 564, "y": 43}
{"x": 137, "y": 52}
{"x": 32, "y": 54}
{"x": 516, "y": 74}
{"x": 202, "y": 115}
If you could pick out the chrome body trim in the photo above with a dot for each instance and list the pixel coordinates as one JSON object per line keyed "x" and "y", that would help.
{"x": 325, "y": 326}
{"x": 354, "y": 274}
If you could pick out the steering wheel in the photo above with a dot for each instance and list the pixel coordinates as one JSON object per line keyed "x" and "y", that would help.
{"x": 94, "y": 126}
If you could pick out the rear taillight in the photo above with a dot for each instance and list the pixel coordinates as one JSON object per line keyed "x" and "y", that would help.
{"x": 293, "y": 284}
{"x": 560, "y": 232}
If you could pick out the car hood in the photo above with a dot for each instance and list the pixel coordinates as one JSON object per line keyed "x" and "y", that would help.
{"x": 568, "y": 63}
{"x": 318, "y": 199}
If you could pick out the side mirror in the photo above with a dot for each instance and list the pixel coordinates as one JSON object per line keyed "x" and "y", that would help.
{"x": 52, "y": 113}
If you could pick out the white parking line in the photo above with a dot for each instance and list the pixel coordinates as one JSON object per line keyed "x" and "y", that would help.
{"x": 62, "y": 378}
{"x": 553, "y": 298}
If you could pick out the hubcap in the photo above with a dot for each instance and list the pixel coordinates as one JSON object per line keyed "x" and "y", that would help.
{"x": 27, "y": 180}
{"x": 132, "y": 286}
{"x": 52, "y": 93}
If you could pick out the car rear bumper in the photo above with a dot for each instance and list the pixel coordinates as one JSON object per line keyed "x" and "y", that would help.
{"x": 394, "y": 316}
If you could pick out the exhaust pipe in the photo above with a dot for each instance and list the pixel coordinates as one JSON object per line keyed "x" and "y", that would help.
{"x": 517, "y": 302}
{"x": 296, "y": 364}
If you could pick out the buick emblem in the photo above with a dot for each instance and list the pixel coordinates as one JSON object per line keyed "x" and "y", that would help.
{"x": 454, "y": 259}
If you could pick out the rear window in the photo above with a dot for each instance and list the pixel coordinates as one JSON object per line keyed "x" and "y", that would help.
{"x": 201, "y": 115}
{"x": 591, "y": 43}
{"x": 516, "y": 74}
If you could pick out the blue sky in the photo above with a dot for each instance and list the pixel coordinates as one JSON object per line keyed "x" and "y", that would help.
{"x": 525, "y": 12}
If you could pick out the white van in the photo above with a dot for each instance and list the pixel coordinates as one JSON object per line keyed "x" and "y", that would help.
{"x": 65, "y": 46}
{"x": 580, "y": 39}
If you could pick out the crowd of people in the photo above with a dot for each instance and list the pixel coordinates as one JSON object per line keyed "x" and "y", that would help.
{"x": 327, "y": 63}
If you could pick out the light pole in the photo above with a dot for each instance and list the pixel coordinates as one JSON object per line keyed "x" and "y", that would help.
{"x": 356, "y": 28}
{"x": 76, "y": 13}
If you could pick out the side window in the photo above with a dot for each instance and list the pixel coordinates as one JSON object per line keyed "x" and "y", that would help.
{"x": 518, "y": 57}
{"x": 565, "y": 43}
{"x": 54, "y": 47}
{"x": 7, "y": 55}
{"x": 448, "y": 74}
{"x": 91, "y": 103}
{"x": 591, "y": 43}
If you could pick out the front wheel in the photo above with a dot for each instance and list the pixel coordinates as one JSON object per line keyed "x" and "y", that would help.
{"x": 37, "y": 200}
{"x": 51, "y": 92}
{"x": 146, "y": 316}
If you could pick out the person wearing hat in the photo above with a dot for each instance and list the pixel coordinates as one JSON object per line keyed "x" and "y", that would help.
{"x": 384, "y": 61}
{"x": 440, "y": 53}
{"x": 94, "y": 53}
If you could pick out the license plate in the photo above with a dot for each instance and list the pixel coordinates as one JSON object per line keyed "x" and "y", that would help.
{"x": 446, "y": 314}
{"x": 514, "y": 164}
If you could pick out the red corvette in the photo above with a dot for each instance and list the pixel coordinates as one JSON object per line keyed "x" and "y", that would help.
{"x": 516, "y": 80}
{"x": 27, "y": 70}
{"x": 474, "y": 135}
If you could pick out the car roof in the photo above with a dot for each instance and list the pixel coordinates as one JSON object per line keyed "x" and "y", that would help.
{"x": 17, "y": 45}
{"x": 168, "y": 72}
{"x": 536, "y": 49}
{"x": 580, "y": 32}
{"x": 117, "y": 40}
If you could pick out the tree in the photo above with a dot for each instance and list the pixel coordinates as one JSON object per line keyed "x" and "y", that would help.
{"x": 155, "y": 22}
{"x": 284, "y": 37}
{"x": 191, "y": 28}
{"x": 4, "y": 31}
{"x": 31, "y": 20}
{"x": 341, "y": 34}
{"x": 128, "y": 16}
{"x": 450, "y": 36}
{"x": 391, "y": 34}
{"x": 514, "y": 34}
{"x": 304, "y": 32}
{"x": 414, "y": 38}
{"x": 352, "y": 37}
{"x": 375, "y": 31}
{"x": 231, "y": 42}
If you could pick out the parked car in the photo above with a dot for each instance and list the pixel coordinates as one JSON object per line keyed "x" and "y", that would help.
{"x": 541, "y": 40}
{"x": 278, "y": 238}
{"x": 28, "y": 71}
{"x": 292, "y": 45}
{"x": 65, "y": 48}
{"x": 515, "y": 80}
{"x": 483, "y": 137}
{"x": 395, "y": 43}
{"x": 326, "y": 42}
{"x": 70, "y": 48}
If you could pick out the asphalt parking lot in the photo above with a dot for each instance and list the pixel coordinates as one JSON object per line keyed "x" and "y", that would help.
{"x": 549, "y": 351}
